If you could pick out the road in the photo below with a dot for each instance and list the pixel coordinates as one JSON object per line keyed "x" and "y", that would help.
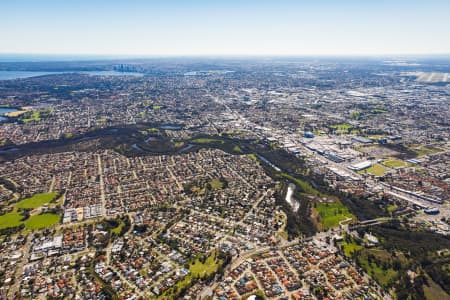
{"x": 102, "y": 185}
{"x": 19, "y": 268}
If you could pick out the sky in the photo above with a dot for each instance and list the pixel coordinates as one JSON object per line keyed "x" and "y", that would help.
{"x": 225, "y": 27}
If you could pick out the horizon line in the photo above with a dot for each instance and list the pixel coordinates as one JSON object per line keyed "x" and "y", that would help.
{"x": 226, "y": 55}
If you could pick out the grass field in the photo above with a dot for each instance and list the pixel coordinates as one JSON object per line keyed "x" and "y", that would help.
{"x": 394, "y": 163}
{"x": 342, "y": 128}
{"x": 35, "y": 115}
{"x": 197, "y": 270}
{"x": 253, "y": 157}
{"x": 282, "y": 231}
{"x": 11, "y": 219}
{"x": 305, "y": 186}
{"x": 379, "y": 111}
{"x": 118, "y": 229}
{"x": 216, "y": 184}
{"x": 36, "y": 200}
{"x": 332, "y": 213}
{"x": 210, "y": 266}
{"x": 179, "y": 144}
{"x": 374, "y": 270}
{"x": 391, "y": 208}
{"x": 426, "y": 150}
{"x": 380, "y": 275}
{"x": 350, "y": 248}
{"x": 237, "y": 149}
{"x": 376, "y": 170}
{"x": 433, "y": 291}
{"x": 41, "y": 221}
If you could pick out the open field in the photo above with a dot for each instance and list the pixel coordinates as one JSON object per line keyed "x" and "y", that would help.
{"x": 376, "y": 170}
{"x": 42, "y": 221}
{"x": 350, "y": 247}
{"x": 9, "y": 220}
{"x": 15, "y": 114}
{"x": 331, "y": 214}
{"x": 378, "y": 151}
{"x": 179, "y": 144}
{"x": 36, "y": 200}
{"x": 216, "y": 184}
{"x": 343, "y": 128}
{"x": 305, "y": 186}
{"x": 426, "y": 150}
{"x": 382, "y": 276}
{"x": 374, "y": 265}
{"x": 433, "y": 291}
{"x": 394, "y": 163}
{"x": 118, "y": 229}
{"x": 207, "y": 140}
{"x": 35, "y": 115}
{"x": 210, "y": 266}
{"x": 237, "y": 149}
{"x": 13, "y": 219}
{"x": 197, "y": 269}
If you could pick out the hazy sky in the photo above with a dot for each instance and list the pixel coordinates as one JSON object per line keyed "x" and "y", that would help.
{"x": 230, "y": 27}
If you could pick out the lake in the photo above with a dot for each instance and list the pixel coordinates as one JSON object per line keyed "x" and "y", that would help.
{"x": 9, "y": 75}
{"x": 290, "y": 199}
{"x": 3, "y": 111}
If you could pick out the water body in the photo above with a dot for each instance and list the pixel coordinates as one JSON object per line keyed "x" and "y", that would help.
{"x": 290, "y": 199}
{"x": 268, "y": 162}
{"x": 3, "y": 111}
{"x": 9, "y": 75}
{"x": 136, "y": 147}
{"x": 186, "y": 148}
{"x": 170, "y": 127}
{"x": 110, "y": 73}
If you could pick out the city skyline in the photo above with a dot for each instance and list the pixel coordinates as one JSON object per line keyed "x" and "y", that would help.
{"x": 175, "y": 28}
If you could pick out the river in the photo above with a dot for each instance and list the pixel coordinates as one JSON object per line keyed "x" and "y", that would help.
{"x": 290, "y": 199}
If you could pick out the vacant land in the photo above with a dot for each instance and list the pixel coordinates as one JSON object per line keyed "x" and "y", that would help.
{"x": 379, "y": 151}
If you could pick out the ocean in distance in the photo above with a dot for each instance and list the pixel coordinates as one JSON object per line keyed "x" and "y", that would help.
{"x": 9, "y": 75}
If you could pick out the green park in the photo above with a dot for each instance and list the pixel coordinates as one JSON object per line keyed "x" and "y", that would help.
{"x": 18, "y": 215}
